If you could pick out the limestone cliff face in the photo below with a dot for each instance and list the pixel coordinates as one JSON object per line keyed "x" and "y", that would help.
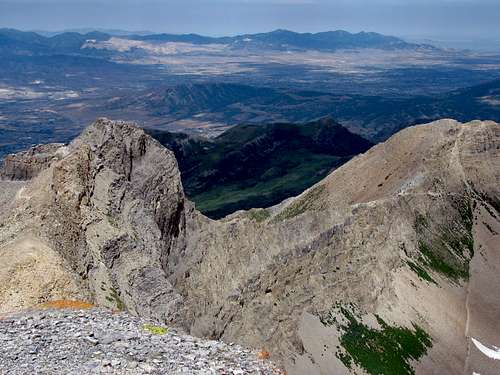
{"x": 117, "y": 210}
{"x": 399, "y": 242}
{"x": 112, "y": 208}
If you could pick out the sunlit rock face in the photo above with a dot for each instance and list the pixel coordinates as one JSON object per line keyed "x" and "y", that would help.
{"x": 112, "y": 207}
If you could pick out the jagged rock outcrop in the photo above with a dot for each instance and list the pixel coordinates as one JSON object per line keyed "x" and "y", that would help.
{"x": 112, "y": 209}
{"x": 27, "y": 164}
{"x": 399, "y": 245}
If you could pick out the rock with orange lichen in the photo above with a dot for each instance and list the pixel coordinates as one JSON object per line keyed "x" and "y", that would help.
{"x": 67, "y": 304}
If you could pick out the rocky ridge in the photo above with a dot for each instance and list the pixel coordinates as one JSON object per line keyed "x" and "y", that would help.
{"x": 401, "y": 241}
{"x": 27, "y": 164}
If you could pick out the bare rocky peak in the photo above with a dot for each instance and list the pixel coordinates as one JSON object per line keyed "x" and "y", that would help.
{"x": 400, "y": 245}
{"x": 112, "y": 208}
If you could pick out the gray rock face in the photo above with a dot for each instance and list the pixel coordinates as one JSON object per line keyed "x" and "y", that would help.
{"x": 395, "y": 232}
{"x": 113, "y": 208}
{"x": 26, "y": 165}
{"x": 117, "y": 211}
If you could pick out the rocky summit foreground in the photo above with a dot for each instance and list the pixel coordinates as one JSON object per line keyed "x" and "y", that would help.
{"x": 389, "y": 265}
{"x": 95, "y": 342}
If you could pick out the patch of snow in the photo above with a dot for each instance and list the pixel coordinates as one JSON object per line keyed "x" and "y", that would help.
{"x": 19, "y": 93}
{"x": 475, "y": 373}
{"x": 61, "y": 95}
{"x": 491, "y": 353}
{"x": 247, "y": 40}
{"x": 490, "y": 100}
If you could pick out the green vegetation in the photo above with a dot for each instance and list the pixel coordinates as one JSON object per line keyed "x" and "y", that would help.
{"x": 115, "y": 298}
{"x": 433, "y": 259}
{"x": 446, "y": 248}
{"x": 388, "y": 350}
{"x": 273, "y": 186}
{"x": 302, "y": 205}
{"x": 492, "y": 231}
{"x": 494, "y": 202}
{"x": 385, "y": 351}
{"x": 422, "y": 273}
{"x": 345, "y": 358}
{"x": 421, "y": 222}
{"x": 491, "y": 204}
{"x": 155, "y": 330}
{"x": 252, "y": 166}
{"x": 259, "y": 214}
{"x": 112, "y": 221}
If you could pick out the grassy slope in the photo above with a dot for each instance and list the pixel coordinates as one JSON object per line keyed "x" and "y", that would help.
{"x": 259, "y": 165}
{"x": 267, "y": 191}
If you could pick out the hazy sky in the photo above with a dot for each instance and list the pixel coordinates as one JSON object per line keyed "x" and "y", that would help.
{"x": 447, "y": 18}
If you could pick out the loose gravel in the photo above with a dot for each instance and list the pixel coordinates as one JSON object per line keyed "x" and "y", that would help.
{"x": 102, "y": 342}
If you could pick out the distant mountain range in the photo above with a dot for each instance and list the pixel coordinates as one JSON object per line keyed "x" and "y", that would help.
{"x": 15, "y": 41}
{"x": 259, "y": 165}
{"x": 210, "y": 108}
{"x": 285, "y": 39}
{"x": 86, "y": 30}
